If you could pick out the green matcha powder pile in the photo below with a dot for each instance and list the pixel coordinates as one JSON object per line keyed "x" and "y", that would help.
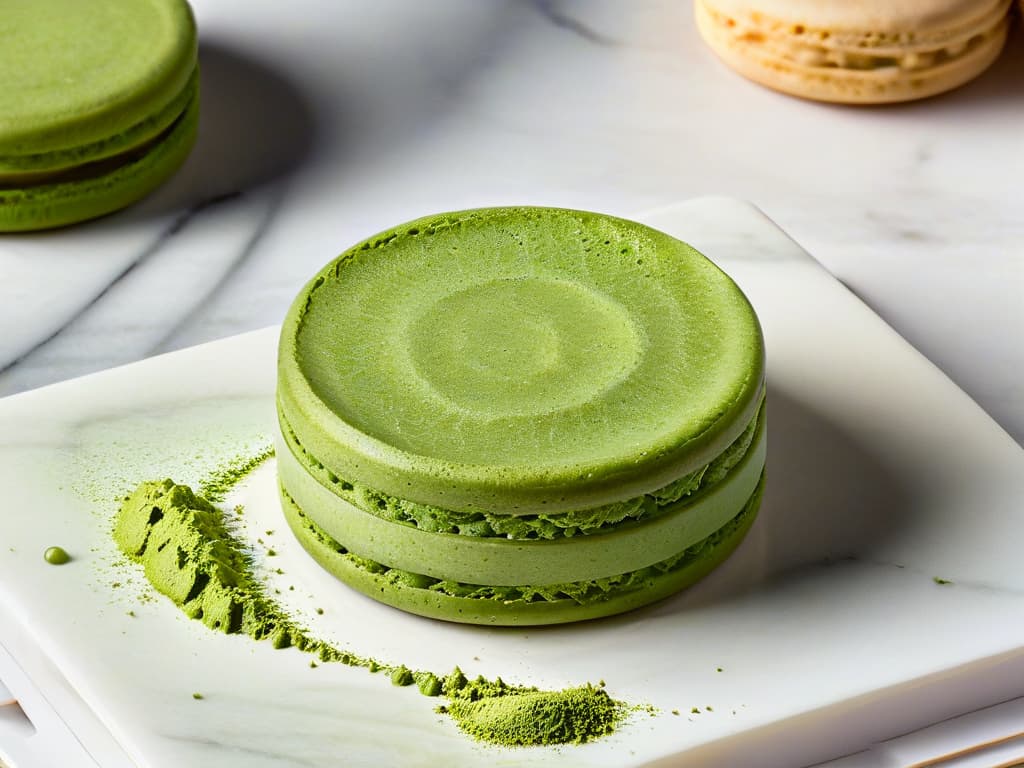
{"x": 188, "y": 553}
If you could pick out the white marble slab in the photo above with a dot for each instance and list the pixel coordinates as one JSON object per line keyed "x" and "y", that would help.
{"x": 324, "y": 122}
{"x": 827, "y": 624}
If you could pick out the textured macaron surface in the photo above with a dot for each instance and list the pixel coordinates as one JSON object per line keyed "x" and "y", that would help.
{"x": 79, "y": 73}
{"x": 503, "y": 359}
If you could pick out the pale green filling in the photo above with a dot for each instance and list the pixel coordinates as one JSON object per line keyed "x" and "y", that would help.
{"x": 520, "y": 527}
{"x": 581, "y": 592}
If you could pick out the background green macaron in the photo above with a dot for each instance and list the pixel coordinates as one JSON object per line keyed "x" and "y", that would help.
{"x": 99, "y": 105}
{"x": 520, "y": 401}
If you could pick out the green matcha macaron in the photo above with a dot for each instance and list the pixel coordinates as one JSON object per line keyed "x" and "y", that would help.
{"x": 99, "y": 105}
{"x": 520, "y": 416}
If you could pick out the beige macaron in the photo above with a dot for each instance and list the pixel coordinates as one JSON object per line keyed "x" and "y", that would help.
{"x": 866, "y": 52}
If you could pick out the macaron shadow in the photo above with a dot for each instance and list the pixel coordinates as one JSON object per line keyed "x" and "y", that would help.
{"x": 256, "y": 127}
{"x": 997, "y": 87}
{"x": 827, "y": 500}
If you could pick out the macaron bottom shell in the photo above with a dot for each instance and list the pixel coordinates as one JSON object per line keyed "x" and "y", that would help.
{"x": 107, "y": 186}
{"x": 420, "y": 595}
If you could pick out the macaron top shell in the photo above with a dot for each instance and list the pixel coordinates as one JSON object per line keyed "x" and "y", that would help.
{"x": 873, "y": 20}
{"x": 519, "y": 359}
{"x": 79, "y": 73}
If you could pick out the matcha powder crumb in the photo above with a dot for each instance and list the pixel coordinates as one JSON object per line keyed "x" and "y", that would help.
{"x": 514, "y": 717}
{"x": 402, "y": 676}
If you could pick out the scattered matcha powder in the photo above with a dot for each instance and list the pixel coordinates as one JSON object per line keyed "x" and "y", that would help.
{"x": 939, "y": 580}
{"x": 56, "y": 556}
{"x": 197, "y": 696}
{"x": 188, "y": 554}
{"x": 217, "y": 485}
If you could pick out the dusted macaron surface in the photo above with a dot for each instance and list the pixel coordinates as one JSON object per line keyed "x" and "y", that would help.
{"x": 520, "y": 398}
{"x": 99, "y": 105}
{"x": 859, "y": 53}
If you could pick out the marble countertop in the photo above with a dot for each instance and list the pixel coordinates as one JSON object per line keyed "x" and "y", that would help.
{"x": 826, "y": 633}
{"x": 325, "y": 122}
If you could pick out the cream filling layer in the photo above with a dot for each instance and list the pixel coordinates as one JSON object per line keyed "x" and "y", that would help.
{"x": 489, "y": 561}
{"x": 538, "y": 525}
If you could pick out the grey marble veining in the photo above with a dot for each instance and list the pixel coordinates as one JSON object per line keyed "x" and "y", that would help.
{"x": 559, "y": 13}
